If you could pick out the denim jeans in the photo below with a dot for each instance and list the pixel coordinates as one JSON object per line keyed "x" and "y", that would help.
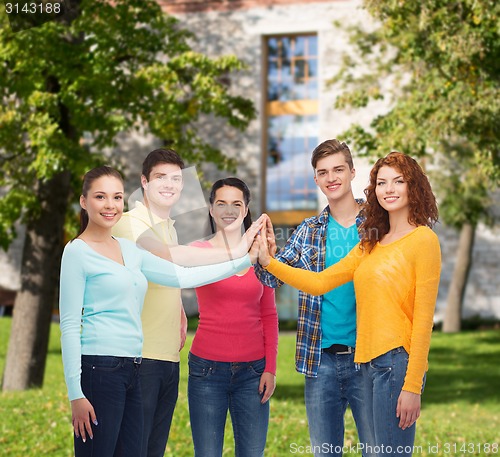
{"x": 112, "y": 386}
{"x": 338, "y": 384}
{"x": 160, "y": 388}
{"x": 383, "y": 379}
{"x": 216, "y": 387}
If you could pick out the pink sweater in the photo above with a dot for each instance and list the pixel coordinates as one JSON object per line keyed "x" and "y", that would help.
{"x": 238, "y": 320}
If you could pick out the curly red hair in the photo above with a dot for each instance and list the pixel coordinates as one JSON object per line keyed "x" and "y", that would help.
{"x": 422, "y": 202}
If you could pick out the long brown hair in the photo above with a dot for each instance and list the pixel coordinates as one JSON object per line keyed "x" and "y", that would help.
{"x": 88, "y": 179}
{"x": 422, "y": 202}
{"x": 238, "y": 184}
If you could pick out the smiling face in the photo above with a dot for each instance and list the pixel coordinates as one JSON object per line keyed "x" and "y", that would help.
{"x": 333, "y": 176}
{"x": 228, "y": 206}
{"x": 391, "y": 189}
{"x": 163, "y": 186}
{"x": 103, "y": 202}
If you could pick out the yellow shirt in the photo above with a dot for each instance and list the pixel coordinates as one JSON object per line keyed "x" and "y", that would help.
{"x": 161, "y": 314}
{"x": 396, "y": 289}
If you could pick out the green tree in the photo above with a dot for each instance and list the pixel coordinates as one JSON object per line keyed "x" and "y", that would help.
{"x": 466, "y": 201}
{"x": 69, "y": 87}
{"x": 437, "y": 62}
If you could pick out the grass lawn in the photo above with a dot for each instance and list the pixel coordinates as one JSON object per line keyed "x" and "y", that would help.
{"x": 460, "y": 414}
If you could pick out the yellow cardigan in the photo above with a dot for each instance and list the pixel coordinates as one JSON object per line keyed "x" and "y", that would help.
{"x": 396, "y": 288}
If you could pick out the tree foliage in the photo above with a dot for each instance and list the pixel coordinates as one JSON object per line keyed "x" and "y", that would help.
{"x": 117, "y": 66}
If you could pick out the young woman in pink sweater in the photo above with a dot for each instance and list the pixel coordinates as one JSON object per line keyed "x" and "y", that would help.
{"x": 232, "y": 362}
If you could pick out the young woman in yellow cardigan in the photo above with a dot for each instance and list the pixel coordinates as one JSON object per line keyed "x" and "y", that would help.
{"x": 395, "y": 269}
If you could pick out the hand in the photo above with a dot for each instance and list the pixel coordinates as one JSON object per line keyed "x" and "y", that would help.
{"x": 252, "y": 230}
{"x": 254, "y": 252}
{"x": 408, "y": 409}
{"x": 264, "y": 256}
{"x": 266, "y": 386}
{"x": 82, "y": 413}
{"x": 269, "y": 231}
{"x": 248, "y": 238}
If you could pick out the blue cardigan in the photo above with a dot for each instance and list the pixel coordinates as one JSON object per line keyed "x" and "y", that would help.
{"x": 101, "y": 300}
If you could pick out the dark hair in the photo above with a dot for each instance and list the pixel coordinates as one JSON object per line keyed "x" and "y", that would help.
{"x": 330, "y": 147}
{"x": 231, "y": 182}
{"x": 422, "y": 202}
{"x": 88, "y": 179}
{"x": 160, "y": 155}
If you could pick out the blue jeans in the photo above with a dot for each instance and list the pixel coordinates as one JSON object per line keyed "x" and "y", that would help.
{"x": 112, "y": 386}
{"x": 383, "y": 379}
{"x": 216, "y": 387}
{"x": 338, "y": 383}
{"x": 160, "y": 388}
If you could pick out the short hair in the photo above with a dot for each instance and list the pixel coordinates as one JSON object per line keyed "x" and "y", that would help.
{"x": 160, "y": 155}
{"x": 330, "y": 147}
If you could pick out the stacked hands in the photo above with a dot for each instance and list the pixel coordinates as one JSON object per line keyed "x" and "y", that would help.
{"x": 259, "y": 240}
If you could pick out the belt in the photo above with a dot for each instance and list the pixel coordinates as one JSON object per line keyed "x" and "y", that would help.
{"x": 339, "y": 349}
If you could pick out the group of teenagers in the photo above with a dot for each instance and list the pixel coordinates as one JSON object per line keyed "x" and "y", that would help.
{"x": 367, "y": 273}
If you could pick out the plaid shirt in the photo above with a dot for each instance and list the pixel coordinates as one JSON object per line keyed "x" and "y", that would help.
{"x": 306, "y": 249}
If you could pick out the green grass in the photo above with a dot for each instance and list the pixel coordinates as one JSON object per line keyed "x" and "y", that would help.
{"x": 460, "y": 414}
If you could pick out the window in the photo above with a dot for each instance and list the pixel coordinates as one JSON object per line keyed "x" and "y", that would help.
{"x": 291, "y": 134}
{"x": 291, "y": 126}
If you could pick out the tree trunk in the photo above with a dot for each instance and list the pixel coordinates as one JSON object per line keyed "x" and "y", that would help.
{"x": 27, "y": 352}
{"x": 454, "y": 302}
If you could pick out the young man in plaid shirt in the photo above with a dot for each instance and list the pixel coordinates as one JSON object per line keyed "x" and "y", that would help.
{"x": 326, "y": 327}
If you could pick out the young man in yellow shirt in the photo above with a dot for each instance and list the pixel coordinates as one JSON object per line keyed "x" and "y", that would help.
{"x": 164, "y": 321}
